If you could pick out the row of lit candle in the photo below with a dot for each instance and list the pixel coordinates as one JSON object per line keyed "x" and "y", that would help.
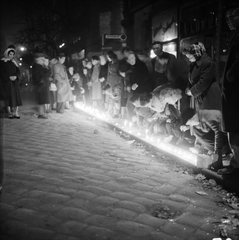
{"x": 127, "y": 127}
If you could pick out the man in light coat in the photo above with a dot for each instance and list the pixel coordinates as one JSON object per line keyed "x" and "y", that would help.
{"x": 64, "y": 92}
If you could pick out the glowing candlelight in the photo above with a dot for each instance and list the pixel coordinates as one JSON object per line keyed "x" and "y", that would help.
{"x": 125, "y": 123}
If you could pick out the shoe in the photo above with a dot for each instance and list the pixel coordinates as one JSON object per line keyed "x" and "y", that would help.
{"x": 168, "y": 139}
{"x": 42, "y": 116}
{"x": 226, "y": 170}
{"x": 215, "y": 166}
{"x": 60, "y": 112}
{"x": 115, "y": 116}
{"x": 194, "y": 150}
{"x": 16, "y": 116}
{"x": 10, "y": 116}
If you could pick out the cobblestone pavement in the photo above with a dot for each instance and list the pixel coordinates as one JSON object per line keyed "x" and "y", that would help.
{"x": 66, "y": 181}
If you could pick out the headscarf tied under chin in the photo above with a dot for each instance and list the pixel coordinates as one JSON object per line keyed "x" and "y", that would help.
{"x": 195, "y": 49}
{"x": 6, "y": 56}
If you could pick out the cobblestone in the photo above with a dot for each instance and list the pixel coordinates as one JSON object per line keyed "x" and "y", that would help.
{"x": 63, "y": 182}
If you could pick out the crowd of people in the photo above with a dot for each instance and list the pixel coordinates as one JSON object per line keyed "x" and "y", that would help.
{"x": 177, "y": 101}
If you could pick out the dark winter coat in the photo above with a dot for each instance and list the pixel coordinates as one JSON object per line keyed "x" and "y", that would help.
{"x": 40, "y": 76}
{"x": 230, "y": 88}
{"x": 113, "y": 77}
{"x": 104, "y": 73}
{"x": 203, "y": 85}
{"x": 173, "y": 71}
{"x": 10, "y": 90}
{"x": 140, "y": 75}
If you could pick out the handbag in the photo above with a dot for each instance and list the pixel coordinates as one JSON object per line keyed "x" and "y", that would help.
{"x": 53, "y": 87}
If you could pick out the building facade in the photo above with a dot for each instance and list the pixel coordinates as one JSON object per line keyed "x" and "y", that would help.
{"x": 178, "y": 24}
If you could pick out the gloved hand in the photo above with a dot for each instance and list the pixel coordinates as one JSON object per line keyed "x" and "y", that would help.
{"x": 188, "y": 92}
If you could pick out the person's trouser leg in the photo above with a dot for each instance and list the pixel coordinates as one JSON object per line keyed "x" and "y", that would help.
{"x": 169, "y": 128}
{"x": 110, "y": 109}
{"x": 67, "y": 105}
{"x": 177, "y": 132}
{"x": 41, "y": 109}
{"x": 205, "y": 139}
{"x": 234, "y": 144}
{"x": 9, "y": 109}
{"x": 116, "y": 108}
{"x": 60, "y": 107}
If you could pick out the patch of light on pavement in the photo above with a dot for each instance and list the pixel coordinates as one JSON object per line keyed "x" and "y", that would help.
{"x": 126, "y": 126}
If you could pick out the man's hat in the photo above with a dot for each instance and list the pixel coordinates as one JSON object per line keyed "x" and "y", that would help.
{"x": 38, "y": 55}
{"x": 62, "y": 54}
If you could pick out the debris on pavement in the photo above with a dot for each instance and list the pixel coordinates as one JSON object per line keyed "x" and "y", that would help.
{"x": 201, "y": 193}
{"x": 228, "y": 226}
{"x": 96, "y": 131}
{"x": 130, "y": 142}
{"x": 164, "y": 212}
{"x": 200, "y": 177}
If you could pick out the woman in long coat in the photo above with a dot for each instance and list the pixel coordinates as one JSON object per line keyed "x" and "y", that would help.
{"x": 64, "y": 92}
{"x": 97, "y": 94}
{"x": 202, "y": 86}
{"x": 114, "y": 79}
{"x": 9, "y": 75}
{"x": 41, "y": 77}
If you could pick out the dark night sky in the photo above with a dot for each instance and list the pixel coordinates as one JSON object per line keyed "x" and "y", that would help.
{"x": 9, "y": 13}
{"x": 10, "y": 10}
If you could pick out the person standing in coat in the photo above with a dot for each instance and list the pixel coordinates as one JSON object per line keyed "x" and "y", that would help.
{"x": 103, "y": 76}
{"x": 87, "y": 85}
{"x": 41, "y": 79}
{"x": 64, "y": 92}
{"x": 167, "y": 68}
{"x": 140, "y": 80}
{"x": 230, "y": 90}
{"x": 202, "y": 86}
{"x": 114, "y": 79}
{"x": 97, "y": 94}
{"x": 52, "y": 62}
{"x": 9, "y": 75}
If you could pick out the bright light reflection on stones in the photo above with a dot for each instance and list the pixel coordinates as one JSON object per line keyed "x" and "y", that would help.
{"x": 126, "y": 126}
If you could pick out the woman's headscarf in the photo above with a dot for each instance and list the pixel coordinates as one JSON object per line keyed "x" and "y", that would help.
{"x": 6, "y": 58}
{"x": 196, "y": 50}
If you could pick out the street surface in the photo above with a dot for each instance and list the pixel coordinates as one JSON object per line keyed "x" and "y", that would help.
{"x": 72, "y": 177}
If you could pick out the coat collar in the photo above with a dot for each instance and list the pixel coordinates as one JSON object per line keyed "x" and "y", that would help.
{"x": 202, "y": 58}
